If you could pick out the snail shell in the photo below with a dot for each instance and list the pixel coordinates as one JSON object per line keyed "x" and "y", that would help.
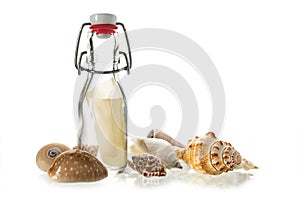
{"x": 156, "y": 133}
{"x": 147, "y": 165}
{"x": 77, "y": 166}
{"x": 157, "y": 147}
{"x": 47, "y": 154}
{"x": 209, "y": 155}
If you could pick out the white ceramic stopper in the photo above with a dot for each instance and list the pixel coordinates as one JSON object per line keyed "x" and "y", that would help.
{"x": 103, "y": 18}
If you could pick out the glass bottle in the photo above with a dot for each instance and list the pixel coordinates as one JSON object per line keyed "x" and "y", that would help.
{"x": 100, "y": 104}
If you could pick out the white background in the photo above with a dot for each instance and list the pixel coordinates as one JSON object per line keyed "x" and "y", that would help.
{"x": 255, "y": 46}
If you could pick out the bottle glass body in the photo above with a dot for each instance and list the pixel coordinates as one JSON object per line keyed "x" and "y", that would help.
{"x": 100, "y": 105}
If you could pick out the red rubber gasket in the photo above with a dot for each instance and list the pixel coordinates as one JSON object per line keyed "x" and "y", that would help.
{"x": 103, "y": 28}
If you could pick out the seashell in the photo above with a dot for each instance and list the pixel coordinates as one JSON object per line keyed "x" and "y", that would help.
{"x": 47, "y": 154}
{"x": 209, "y": 155}
{"x": 156, "y": 133}
{"x": 246, "y": 165}
{"x": 159, "y": 148}
{"x": 91, "y": 149}
{"x": 77, "y": 166}
{"x": 147, "y": 165}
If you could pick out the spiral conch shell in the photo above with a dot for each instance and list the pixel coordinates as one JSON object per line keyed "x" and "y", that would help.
{"x": 209, "y": 155}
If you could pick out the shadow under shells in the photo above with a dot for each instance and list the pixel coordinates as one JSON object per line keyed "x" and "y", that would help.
{"x": 230, "y": 179}
{"x": 189, "y": 177}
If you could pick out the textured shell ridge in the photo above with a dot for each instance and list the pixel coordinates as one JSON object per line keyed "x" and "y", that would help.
{"x": 147, "y": 165}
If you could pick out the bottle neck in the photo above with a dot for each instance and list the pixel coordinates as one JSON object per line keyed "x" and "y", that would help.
{"x": 103, "y": 52}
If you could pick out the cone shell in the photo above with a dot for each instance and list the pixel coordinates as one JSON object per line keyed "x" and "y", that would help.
{"x": 77, "y": 166}
{"x": 209, "y": 155}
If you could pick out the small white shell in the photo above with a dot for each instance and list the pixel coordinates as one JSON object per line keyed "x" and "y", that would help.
{"x": 157, "y": 147}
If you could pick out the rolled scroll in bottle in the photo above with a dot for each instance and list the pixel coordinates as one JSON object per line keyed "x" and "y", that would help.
{"x": 110, "y": 114}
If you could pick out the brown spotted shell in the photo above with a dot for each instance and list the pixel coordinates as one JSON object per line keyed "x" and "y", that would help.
{"x": 77, "y": 166}
{"x": 47, "y": 154}
{"x": 209, "y": 155}
{"x": 147, "y": 165}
